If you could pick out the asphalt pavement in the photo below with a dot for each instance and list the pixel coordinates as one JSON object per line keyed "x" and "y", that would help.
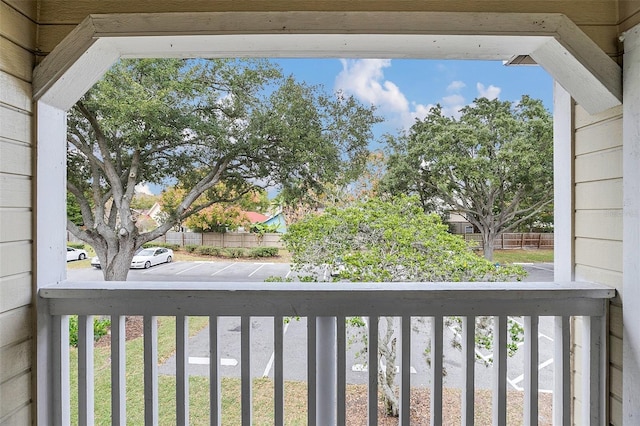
{"x": 295, "y": 340}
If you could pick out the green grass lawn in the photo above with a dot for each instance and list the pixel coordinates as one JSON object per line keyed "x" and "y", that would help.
{"x": 523, "y": 256}
{"x": 296, "y": 402}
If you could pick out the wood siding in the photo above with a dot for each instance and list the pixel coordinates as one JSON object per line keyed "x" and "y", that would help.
{"x": 598, "y": 140}
{"x": 629, "y": 14}
{"x": 598, "y": 225}
{"x": 597, "y": 18}
{"x": 17, "y": 44}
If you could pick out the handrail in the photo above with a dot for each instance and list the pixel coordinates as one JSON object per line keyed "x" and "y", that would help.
{"x": 260, "y": 298}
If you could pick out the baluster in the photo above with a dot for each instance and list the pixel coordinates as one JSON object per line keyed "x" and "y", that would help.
{"x": 468, "y": 373}
{"x": 436, "y": 370}
{"x": 118, "y": 371}
{"x": 373, "y": 370}
{"x": 405, "y": 371}
{"x": 85, "y": 371}
{"x": 341, "y": 365}
{"x": 61, "y": 395}
{"x": 311, "y": 370}
{"x": 151, "y": 370}
{"x": 500, "y": 371}
{"x": 215, "y": 396}
{"x": 182, "y": 370}
{"x": 531, "y": 370}
{"x": 278, "y": 370}
{"x": 561, "y": 372}
{"x": 245, "y": 356}
{"x": 326, "y": 368}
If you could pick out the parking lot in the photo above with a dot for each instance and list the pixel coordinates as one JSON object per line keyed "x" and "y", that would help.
{"x": 201, "y": 271}
{"x": 296, "y": 333}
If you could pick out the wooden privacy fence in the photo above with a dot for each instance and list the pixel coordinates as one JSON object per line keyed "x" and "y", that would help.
{"x": 223, "y": 240}
{"x": 516, "y": 240}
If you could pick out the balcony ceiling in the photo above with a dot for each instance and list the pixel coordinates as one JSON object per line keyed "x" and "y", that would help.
{"x": 552, "y": 40}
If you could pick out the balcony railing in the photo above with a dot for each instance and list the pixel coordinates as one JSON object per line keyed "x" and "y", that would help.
{"x": 326, "y": 306}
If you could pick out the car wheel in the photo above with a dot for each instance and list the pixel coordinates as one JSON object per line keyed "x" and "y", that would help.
{"x": 169, "y": 259}
{"x": 82, "y": 256}
{"x": 147, "y": 265}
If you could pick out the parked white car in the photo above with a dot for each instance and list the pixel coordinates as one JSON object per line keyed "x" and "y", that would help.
{"x": 152, "y": 256}
{"x": 76, "y": 254}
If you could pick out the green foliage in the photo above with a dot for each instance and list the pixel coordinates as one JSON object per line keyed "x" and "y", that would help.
{"x": 100, "y": 328}
{"x": 263, "y": 252}
{"x": 165, "y": 245}
{"x": 233, "y": 252}
{"x": 190, "y": 248}
{"x": 494, "y": 164}
{"x": 395, "y": 240}
{"x": 213, "y": 126}
{"x": 143, "y": 201}
{"x": 389, "y": 241}
{"x": 76, "y": 245}
{"x": 208, "y": 250}
{"x": 264, "y": 228}
{"x": 73, "y": 210}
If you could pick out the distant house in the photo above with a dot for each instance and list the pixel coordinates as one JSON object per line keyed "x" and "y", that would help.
{"x": 458, "y": 223}
{"x": 277, "y": 219}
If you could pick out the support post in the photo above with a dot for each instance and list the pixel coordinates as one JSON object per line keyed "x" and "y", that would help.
{"x": 631, "y": 225}
{"x": 326, "y": 371}
{"x": 49, "y": 242}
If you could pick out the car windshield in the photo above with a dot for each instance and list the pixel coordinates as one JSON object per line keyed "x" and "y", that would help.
{"x": 146, "y": 252}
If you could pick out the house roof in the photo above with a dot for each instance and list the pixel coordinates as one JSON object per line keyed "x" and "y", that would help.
{"x": 255, "y": 217}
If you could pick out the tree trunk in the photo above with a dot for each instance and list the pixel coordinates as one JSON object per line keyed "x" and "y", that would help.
{"x": 488, "y": 238}
{"x": 387, "y": 352}
{"x": 115, "y": 254}
{"x": 118, "y": 268}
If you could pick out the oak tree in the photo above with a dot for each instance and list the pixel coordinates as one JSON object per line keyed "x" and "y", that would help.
{"x": 194, "y": 124}
{"x": 494, "y": 164}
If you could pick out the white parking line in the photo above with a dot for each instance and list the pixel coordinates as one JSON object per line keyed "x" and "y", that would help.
{"x": 155, "y": 268}
{"x": 226, "y": 267}
{"x": 273, "y": 354}
{"x": 227, "y": 362}
{"x": 188, "y": 269}
{"x": 262, "y": 265}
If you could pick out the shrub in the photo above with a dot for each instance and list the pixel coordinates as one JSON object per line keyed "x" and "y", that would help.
{"x": 100, "y": 328}
{"x": 190, "y": 248}
{"x": 263, "y": 252}
{"x": 207, "y": 250}
{"x": 165, "y": 245}
{"x": 234, "y": 252}
{"x": 76, "y": 245}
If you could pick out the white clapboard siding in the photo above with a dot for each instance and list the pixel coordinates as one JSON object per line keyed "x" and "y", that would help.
{"x": 15, "y": 291}
{"x": 603, "y": 254}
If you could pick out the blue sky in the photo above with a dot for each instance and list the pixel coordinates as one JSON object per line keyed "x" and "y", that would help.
{"x": 404, "y": 90}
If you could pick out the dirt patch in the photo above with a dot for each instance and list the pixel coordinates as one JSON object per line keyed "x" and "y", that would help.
{"x": 356, "y": 410}
{"x": 133, "y": 326}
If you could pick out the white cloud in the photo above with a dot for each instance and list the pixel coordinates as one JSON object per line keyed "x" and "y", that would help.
{"x": 143, "y": 188}
{"x": 364, "y": 78}
{"x": 491, "y": 92}
{"x": 456, "y": 86}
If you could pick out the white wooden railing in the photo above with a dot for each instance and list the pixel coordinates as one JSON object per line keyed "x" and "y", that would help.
{"x": 325, "y": 306}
